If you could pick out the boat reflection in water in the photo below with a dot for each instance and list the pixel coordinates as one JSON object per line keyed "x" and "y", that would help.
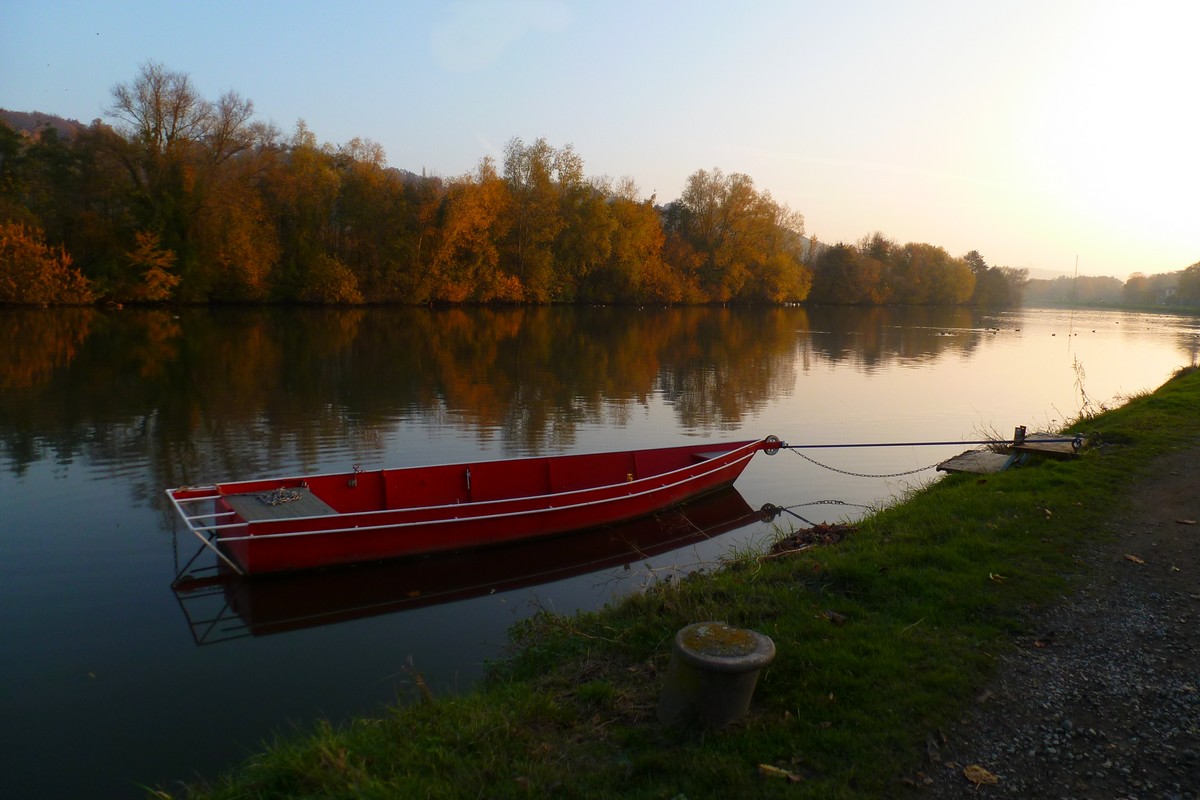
{"x": 222, "y": 606}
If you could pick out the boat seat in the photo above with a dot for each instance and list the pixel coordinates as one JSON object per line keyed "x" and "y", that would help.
{"x": 252, "y": 507}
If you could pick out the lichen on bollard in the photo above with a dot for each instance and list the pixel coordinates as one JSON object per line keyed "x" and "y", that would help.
{"x": 718, "y": 639}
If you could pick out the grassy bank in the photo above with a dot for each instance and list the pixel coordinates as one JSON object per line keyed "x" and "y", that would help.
{"x": 882, "y": 640}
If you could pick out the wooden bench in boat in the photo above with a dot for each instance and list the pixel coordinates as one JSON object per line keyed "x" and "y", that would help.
{"x": 253, "y": 507}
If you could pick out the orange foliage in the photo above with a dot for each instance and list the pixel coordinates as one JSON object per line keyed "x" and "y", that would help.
{"x": 33, "y": 273}
{"x": 154, "y": 262}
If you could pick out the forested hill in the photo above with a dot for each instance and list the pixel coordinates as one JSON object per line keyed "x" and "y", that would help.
{"x": 32, "y": 123}
{"x": 186, "y": 199}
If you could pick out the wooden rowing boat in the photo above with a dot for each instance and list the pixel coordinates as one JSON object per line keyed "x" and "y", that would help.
{"x": 280, "y": 524}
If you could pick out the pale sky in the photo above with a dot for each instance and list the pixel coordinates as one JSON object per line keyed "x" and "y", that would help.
{"x": 1035, "y": 132}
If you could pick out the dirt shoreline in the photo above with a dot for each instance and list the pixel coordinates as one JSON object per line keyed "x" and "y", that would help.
{"x": 1103, "y": 699}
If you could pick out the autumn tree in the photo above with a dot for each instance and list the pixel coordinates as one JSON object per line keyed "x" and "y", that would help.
{"x": 372, "y": 216}
{"x": 846, "y": 275}
{"x": 976, "y": 263}
{"x": 34, "y": 273}
{"x": 632, "y": 267}
{"x": 329, "y": 282}
{"x": 1147, "y": 290}
{"x": 750, "y": 247}
{"x": 153, "y": 263}
{"x": 778, "y": 274}
{"x": 925, "y": 274}
{"x": 1189, "y": 285}
{"x": 162, "y": 120}
{"x": 177, "y": 149}
{"x": 584, "y": 245}
{"x": 466, "y": 262}
{"x": 1136, "y": 291}
{"x": 535, "y": 215}
{"x": 301, "y": 192}
{"x": 995, "y": 287}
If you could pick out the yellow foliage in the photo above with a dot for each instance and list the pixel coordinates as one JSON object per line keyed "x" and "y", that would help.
{"x": 158, "y": 283}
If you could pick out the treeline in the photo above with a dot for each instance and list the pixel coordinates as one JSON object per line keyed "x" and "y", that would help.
{"x": 1180, "y": 289}
{"x": 1081, "y": 290}
{"x": 190, "y": 200}
{"x": 880, "y": 271}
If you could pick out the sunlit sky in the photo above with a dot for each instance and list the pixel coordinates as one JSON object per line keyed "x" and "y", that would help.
{"x": 1037, "y": 133}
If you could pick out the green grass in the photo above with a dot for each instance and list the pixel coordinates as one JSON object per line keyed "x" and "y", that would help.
{"x": 932, "y": 590}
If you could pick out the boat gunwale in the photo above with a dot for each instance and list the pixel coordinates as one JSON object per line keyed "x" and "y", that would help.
{"x": 732, "y": 446}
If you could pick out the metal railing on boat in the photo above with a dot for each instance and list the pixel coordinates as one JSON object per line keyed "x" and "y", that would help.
{"x": 191, "y": 520}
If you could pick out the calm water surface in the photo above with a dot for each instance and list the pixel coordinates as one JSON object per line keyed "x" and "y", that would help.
{"x": 109, "y": 679}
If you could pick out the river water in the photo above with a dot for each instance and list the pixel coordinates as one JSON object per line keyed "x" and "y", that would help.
{"x": 110, "y": 679}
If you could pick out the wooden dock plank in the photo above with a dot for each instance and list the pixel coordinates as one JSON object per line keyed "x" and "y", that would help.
{"x": 1036, "y": 444}
{"x": 978, "y": 462}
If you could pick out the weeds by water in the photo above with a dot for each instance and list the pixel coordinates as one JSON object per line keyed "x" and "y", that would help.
{"x": 882, "y": 639}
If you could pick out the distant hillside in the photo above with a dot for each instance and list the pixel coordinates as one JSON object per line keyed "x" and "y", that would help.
{"x": 1047, "y": 274}
{"x": 31, "y": 122}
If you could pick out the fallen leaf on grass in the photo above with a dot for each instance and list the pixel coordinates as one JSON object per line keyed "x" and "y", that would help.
{"x": 1133, "y": 558}
{"x": 997, "y": 577}
{"x": 771, "y": 771}
{"x": 979, "y": 776}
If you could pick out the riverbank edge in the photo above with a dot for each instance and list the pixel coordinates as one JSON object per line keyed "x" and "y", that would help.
{"x": 883, "y": 640}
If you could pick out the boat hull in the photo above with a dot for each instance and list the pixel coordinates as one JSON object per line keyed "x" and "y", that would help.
{"x": 388, "y": 513}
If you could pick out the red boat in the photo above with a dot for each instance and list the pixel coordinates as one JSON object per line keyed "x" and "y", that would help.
{"x": 282, "y": 524}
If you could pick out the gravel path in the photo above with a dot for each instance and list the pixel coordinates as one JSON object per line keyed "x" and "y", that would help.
{"x": 1104, "y": 701}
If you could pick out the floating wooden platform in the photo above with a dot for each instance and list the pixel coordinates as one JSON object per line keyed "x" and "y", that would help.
{"x": 1036, "y": 444}
{"x": 978, "y": 462}
{"x": 986, "y": 462}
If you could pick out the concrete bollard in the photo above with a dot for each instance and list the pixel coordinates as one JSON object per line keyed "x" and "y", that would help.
{"x": 713, "y": 671}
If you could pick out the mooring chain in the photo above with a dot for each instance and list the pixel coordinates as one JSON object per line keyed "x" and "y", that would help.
{"x": 864, "y": 474}
{"x": 280, "y": 496}
{"x": 827, "y": 503}
{"x": 772, "y": 510}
